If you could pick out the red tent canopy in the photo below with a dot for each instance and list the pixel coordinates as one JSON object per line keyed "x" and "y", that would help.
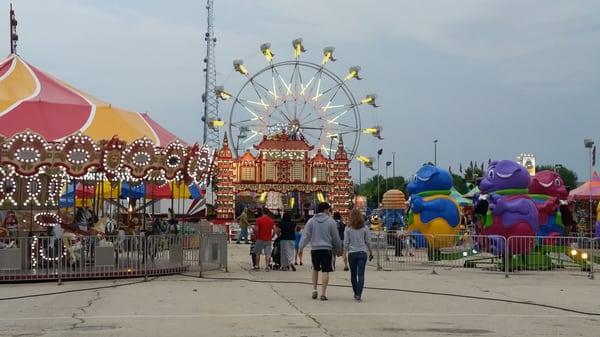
{"x": 163, "y": 191}
{"x": 591, "y": 189}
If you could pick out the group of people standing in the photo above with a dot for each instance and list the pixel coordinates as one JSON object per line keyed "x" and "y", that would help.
{"x": 328, "y": 237}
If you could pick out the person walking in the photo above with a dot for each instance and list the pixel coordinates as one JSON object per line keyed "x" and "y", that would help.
{"x": 264, "y": 229}
{"x": 357, "y": 243}
{"x": 243, "y": 222}
{"x": 341, "y": 227}
{"x": 287, "y": 235}
{"x": 297, "y": 237}
{"x": 321, "y": 232}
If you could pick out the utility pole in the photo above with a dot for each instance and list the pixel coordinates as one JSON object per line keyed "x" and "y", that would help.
{"x": 211, "y": 104}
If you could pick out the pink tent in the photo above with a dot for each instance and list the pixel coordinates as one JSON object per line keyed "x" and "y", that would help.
{"x": 590, "y": 188}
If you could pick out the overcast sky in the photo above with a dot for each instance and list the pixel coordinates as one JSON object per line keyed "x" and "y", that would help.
{"x": 489, "y": 79}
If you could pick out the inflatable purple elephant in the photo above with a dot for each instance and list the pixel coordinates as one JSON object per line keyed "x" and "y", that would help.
{"x": 511, "y": 212}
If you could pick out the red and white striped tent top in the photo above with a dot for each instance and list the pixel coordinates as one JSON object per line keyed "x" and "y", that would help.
{"x": 30, "y": 99}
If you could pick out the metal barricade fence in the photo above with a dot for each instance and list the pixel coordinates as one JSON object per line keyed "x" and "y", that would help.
{"x": 408, "y": 251}
{"x": 84, "y": 257}
{"x": 475, "y": 252}
{"x": 537, "y": 253}
{"x": 400, "y": 250}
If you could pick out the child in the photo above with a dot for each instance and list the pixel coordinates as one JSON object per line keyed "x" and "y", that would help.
{"x": 297, "y": 237}
{"x": 252, "y": 252}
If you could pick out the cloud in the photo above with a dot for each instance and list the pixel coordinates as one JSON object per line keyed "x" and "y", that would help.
{"x": 488, "y": 78}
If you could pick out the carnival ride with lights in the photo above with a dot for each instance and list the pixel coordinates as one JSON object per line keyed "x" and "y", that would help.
{"x": 305, "y": 123}
{"x": 57, "y": 153}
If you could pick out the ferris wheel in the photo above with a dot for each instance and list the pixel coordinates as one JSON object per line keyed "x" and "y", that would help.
{"x": 301, "y": 99}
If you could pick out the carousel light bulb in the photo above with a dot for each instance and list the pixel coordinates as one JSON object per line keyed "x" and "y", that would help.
{"x": 298, "y": 47}
{"x": 353, "y": 73}
{"x": 265, "y": 48}
{"x": 328, "y": 55}
{"x": 238, "y": 65}
{"x": 370, "y": 100}
{"x": 584, "y": 256}
{"x": 573, "y": 252}
{"x": 222, "y": 94}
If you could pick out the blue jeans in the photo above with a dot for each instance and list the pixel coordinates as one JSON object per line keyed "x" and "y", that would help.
{"x": 357, "y": 262}
{"x": 243, "y": 234}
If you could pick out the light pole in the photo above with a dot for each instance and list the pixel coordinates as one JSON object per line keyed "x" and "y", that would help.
{"x": 379, "y": 153}
{"x": 435, "y": 141}
{"x": 386, "y": 177}
{"x": 393, "y": 169}
{"x": 589, "y": 144}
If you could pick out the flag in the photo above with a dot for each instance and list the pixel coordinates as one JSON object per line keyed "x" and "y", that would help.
{"x": 380, "y": 152}
{"x": 387, "y": 164}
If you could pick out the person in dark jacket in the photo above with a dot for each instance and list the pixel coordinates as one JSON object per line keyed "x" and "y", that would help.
{"x": 287, "y": 235}
{"x": 341, "y": 227}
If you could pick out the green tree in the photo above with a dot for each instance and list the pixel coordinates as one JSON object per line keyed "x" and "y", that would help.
{"x": 568, "y": 176}
{"x": 472, "y": 173}
{"x": 459, "y": 184}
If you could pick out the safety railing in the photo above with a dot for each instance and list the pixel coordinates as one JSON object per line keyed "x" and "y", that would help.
{"x": 537, "y": 253}
{"x": 399, "y": 250}
{"x": 85, "y": 257}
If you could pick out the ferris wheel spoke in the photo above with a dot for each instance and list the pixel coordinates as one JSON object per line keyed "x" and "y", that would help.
{"x": 256, "y": 85}
{"x": 330, "y": 100}
{"x": 246, "y": 124}
{"x": 256, "y": 114}
{"x": 324, "y": 117}
{"x": 349, "y": 127}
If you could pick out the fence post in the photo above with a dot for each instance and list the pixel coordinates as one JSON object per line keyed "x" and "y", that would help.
{"x": 593, "y": 247}
{"x": 506, "y": 256}
{"x": 224, "y": 254}
{"x": 144, "y": 247}
{"x": 379, "y": 268}
{"x": 200, "y": 235}
{"x": 432, "y": 253}
{"x": 60, "y": 260}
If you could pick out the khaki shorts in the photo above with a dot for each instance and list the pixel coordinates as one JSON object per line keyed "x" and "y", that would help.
{"x": 263, "y": 247}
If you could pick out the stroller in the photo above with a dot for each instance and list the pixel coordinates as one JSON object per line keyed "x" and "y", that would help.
{"x": 276, "y": 255}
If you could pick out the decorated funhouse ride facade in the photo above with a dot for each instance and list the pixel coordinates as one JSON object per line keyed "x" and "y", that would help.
{"x": 284, "y": 174}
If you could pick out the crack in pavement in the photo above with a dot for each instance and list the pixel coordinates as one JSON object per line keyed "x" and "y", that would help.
{"x": 83, "y": 310}
{"x": 306, "y": 314}
{"x": 292, "y": 304}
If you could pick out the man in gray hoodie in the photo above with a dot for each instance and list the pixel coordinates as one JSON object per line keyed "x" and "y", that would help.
{"x": 322, "y": 234}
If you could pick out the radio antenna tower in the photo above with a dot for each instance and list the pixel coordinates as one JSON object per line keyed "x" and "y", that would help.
{"x": 211, "y": 104}
{"x": 13, "y": 31}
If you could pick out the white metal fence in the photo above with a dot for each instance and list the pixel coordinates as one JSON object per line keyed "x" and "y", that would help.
{"x": 84, "y": 257}
{"x": 518, "y": 254}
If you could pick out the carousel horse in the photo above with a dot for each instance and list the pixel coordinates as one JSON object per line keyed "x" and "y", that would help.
{"x": 75, "y": 239}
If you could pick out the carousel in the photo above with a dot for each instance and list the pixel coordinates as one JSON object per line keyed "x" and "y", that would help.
{"x": 67, "y": 157}
{"x": 294, "y": 128}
